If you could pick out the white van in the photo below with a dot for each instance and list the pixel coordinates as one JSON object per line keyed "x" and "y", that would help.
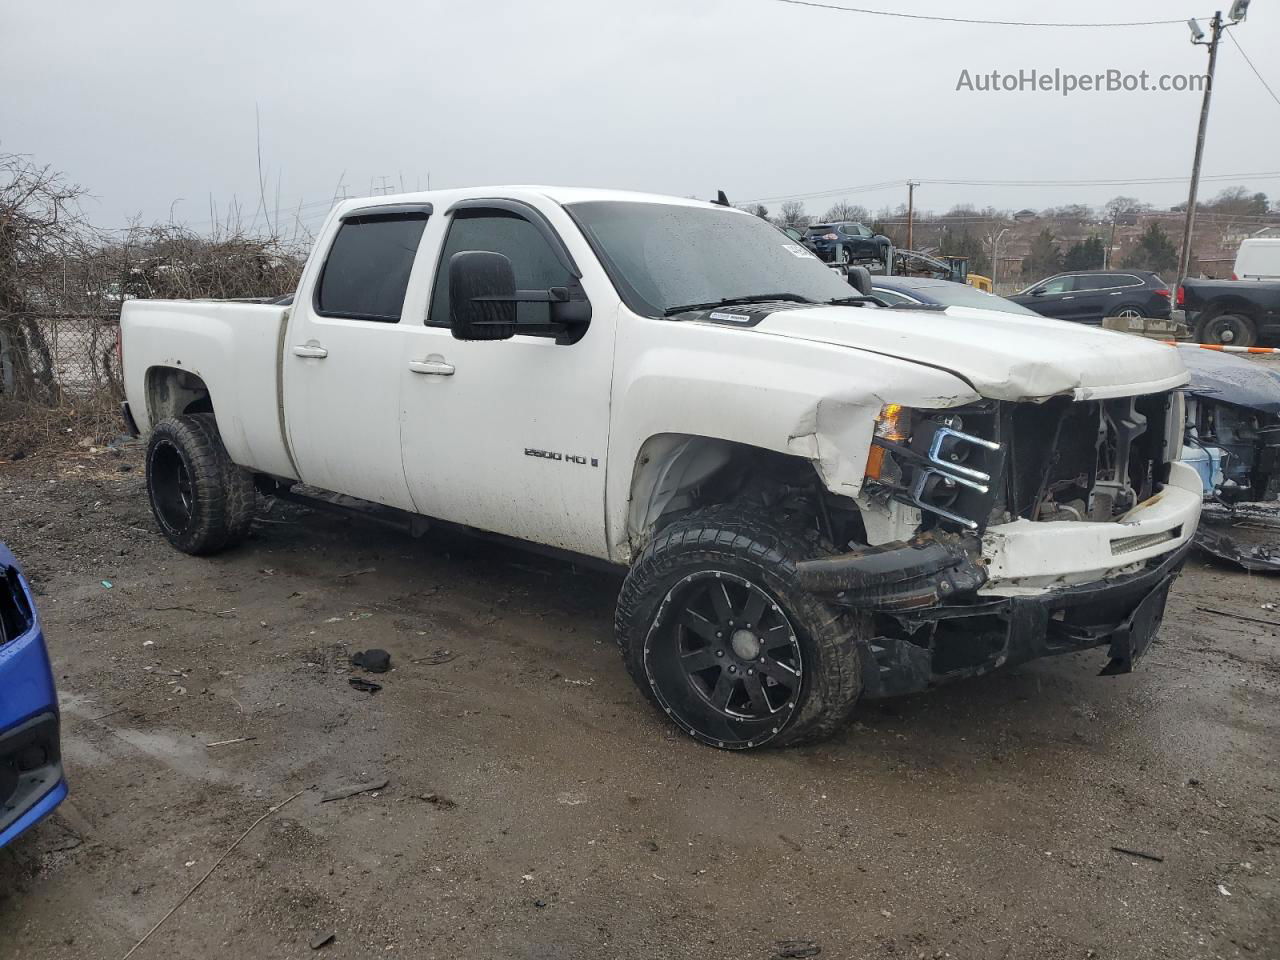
{"x": 1258, "y": 259}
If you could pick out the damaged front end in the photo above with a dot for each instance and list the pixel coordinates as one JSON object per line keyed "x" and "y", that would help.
{"x": 1043, "y": 528}
{"x": 1232, "y": 440}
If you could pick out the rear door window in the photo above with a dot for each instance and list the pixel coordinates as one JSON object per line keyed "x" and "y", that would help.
{"x": 367, "y": 271}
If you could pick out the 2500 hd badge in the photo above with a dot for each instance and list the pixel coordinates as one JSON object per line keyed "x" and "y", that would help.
{"x": 566, "y": 457}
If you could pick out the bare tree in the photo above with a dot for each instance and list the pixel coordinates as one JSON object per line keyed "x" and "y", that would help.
{"x": 791, "y": 214}
{"x": 844, "y": 211}
{"x": 41, "y": 229}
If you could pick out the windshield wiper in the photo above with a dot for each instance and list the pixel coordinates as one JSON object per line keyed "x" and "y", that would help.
{"x": 737, "y": 301}
{"x": 857, "y": 300}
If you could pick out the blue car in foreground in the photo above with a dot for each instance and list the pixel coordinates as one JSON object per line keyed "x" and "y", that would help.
{"x": 31, "y": 781}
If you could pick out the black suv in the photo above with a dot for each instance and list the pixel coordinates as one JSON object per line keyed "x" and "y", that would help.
{"x": 1087, "y": 296}
{"x": 838, "y": 242}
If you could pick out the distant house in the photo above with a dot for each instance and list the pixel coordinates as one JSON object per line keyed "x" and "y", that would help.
{"x": 1025, "y": 216}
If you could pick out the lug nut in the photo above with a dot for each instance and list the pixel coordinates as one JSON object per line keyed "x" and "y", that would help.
{"x": 719, "y": 653}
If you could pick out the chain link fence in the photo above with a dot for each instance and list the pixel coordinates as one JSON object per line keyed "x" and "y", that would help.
{"x": 58, "y": 374}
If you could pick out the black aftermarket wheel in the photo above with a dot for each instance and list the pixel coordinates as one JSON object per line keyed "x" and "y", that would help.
{"x": 202, "y": 501}
{"x": 715, "y": 630}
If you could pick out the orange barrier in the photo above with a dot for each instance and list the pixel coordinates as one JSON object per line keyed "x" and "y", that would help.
{"x": 1224, "y": 348}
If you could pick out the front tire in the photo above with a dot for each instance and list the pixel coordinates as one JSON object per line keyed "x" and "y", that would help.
{"x": 202, "y": 501}
{"x": 717, "y": 632}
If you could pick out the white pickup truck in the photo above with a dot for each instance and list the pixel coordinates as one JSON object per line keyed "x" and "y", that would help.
{"x": 817, "y": 498}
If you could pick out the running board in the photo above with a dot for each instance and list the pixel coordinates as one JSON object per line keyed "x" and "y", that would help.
{"x": 402, "y": 520}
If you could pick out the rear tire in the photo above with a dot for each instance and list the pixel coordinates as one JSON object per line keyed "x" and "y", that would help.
{"x": 202, "y": 501}
{"x": 1128, "y": 312}
{"x": 716, "y": 631}
{"x": 1228, "y": 329}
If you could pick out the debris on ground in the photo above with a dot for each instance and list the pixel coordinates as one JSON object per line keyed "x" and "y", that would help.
{"x": 1238, "y": 616}
{"x": 444, "y": 803}
{"x": 352, "y": 789}
{"x": 323, "y": 940}
{"x": 364, "y": 685}
{"x": 374, "y": 660}
{"x": 1138, "y": 853}
{"x": 187, "y": 896}
{"x": 794, "y": 949}
{"x": 438, "y": 656}
{"x": 1246, "y": 534}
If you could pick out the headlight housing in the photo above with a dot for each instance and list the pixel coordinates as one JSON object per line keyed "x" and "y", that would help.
{"x": 932, "y": 460}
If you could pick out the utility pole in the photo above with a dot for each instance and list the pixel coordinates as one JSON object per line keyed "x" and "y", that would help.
{"x": 1216, "y": 26}
{"x": 911, "y": 209}
{"x": 995, "y": 257}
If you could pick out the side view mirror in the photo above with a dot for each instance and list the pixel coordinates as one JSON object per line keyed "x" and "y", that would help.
{"x": 1038, "y": 292}
{"x": 483, "y": 299}
{"x": 860, "y": 280}
{"x": 482, "y": 296}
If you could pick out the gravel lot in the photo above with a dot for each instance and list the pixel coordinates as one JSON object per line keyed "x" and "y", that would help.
{"x": 537, "y": 807}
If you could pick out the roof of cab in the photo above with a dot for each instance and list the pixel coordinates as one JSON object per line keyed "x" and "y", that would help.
{"x": 443, "y": 199}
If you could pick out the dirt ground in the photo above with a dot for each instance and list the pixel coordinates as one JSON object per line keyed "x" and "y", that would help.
{"x": 536, "y": 807}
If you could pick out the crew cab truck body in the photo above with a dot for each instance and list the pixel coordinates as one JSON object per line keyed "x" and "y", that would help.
{"x": 816, "y": 498}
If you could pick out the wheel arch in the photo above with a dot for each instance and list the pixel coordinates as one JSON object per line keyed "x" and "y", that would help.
{"x": 174, "y": 392}
{"x": 1231, "y": 304}
{"x": 672, "y": 469}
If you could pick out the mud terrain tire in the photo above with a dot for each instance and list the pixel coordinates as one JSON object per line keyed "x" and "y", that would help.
{"x": 712, "y": 603}
{"x": 202, "y": 501}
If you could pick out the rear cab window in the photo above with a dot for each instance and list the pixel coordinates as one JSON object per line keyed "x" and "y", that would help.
{"x": 366, "y": 272}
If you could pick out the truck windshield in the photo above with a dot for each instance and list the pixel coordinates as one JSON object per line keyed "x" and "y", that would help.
{"x": 662, "y": 256}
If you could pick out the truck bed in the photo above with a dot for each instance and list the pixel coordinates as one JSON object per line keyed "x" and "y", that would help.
{"x": 236, "y": 353}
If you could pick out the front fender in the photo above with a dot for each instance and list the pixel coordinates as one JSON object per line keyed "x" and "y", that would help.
{"x": 804, "y": 398}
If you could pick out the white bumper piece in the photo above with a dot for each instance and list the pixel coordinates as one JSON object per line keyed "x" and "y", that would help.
{"x": 1027, "y": 558}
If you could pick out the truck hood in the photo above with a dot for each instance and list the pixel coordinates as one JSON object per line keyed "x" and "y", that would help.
{"x": 1004, "y": 356}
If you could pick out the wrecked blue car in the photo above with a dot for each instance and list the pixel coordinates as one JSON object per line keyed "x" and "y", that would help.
{"x": 1233, "y": 440}
{"x": 31, "y": 781}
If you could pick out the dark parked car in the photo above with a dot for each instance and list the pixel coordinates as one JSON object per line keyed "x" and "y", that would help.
{"x": 1234, "y": 312}
{"x": 1087, "y": 296}
{"x": 913, "y": 291}
{"x": 838, "y": 242}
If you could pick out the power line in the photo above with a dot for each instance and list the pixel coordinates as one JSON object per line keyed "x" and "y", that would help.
{"x": 864, "y": 188}
{"x": 1260, "y": 175}
{"x": 990, "y": 23}
{"x": 1261, "y": 80}
{"x": 1108, "y": 182}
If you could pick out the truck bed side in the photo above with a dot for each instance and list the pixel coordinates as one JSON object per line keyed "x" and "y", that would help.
{"x": 234, "y": 350}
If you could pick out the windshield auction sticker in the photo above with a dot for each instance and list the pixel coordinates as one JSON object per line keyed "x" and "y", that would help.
{"x": 796, "y": 250}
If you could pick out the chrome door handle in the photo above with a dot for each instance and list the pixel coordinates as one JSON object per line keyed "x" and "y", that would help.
{"x": 440, "y": 368}
{"x": 312, "y": 350}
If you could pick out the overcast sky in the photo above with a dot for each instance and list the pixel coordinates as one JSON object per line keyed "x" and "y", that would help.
{"x": 150, "y": 104}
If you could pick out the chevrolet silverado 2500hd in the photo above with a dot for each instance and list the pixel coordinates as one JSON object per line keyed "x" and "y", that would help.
{"x": 816, "y": 498}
